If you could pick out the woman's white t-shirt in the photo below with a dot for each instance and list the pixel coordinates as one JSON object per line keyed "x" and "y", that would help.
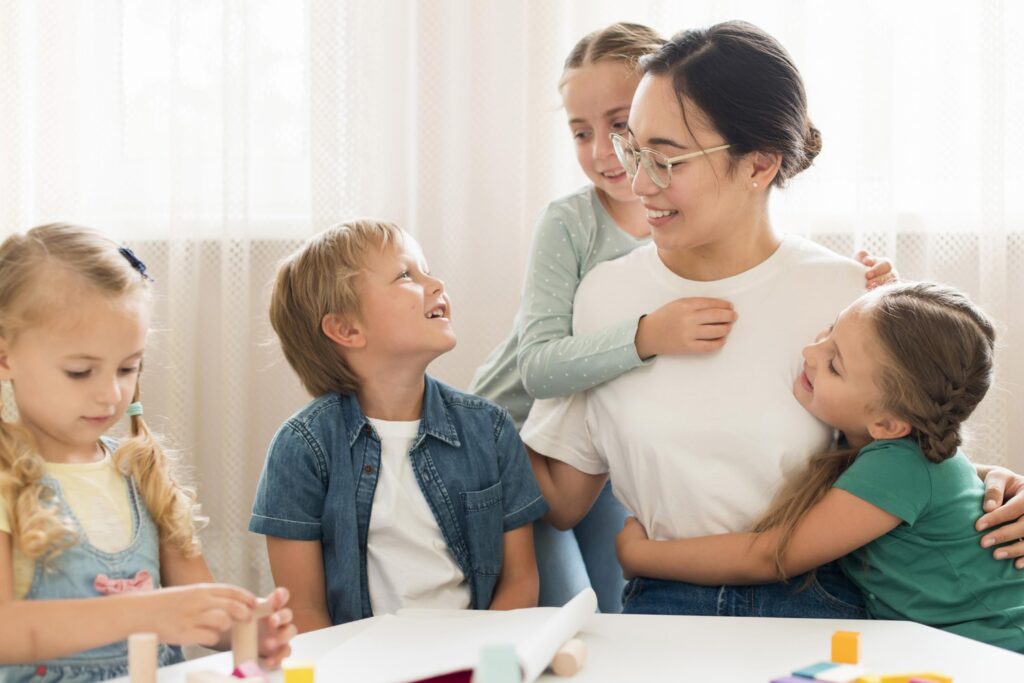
{"x": 699, "y": 444}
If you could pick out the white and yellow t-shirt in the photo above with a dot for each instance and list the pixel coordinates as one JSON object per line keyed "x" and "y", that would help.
{"x": 98, "y": 496}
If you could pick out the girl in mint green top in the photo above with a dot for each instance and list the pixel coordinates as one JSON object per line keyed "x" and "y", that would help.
{"x": 897, "y": 375}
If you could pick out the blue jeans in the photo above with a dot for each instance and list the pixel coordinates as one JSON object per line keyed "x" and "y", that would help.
{"x": 829, "y": 596}
{"x": 569, "y": 561}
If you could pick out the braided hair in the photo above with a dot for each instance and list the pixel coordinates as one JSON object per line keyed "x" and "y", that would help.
{"x": 940, "y": 349}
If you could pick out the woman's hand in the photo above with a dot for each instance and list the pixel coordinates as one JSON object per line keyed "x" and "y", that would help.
{"x": 1004, "y": 513}
{"x": 276, "y": 629}
{"x": 881, "y": 270}
{"x": 628, "y": 544}
{"x": 196, "y": 613}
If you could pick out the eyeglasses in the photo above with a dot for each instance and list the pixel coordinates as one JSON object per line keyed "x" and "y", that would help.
{"x": 657, "y": 165}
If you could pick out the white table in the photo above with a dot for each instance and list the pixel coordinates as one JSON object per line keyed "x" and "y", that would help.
{"x": 632, "y": 648}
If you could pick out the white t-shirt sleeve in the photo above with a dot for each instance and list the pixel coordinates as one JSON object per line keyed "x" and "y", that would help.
{"x": 557, "y": 428}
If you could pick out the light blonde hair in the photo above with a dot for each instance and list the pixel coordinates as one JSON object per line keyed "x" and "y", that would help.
{"x": 621, "y": 42}
{"x": 37, "y": 529}
{"x": 938, "y": 351}
{"x": 318, "y": 280}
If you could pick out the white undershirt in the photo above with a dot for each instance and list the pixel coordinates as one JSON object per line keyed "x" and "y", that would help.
{"x": 407, "y": 560}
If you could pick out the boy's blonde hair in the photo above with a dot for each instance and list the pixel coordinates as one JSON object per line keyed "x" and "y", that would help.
{"x": 939, "y": 351}
{"x": 622, "y": 42}
{"x": 25, "y": 300}
{"x": 318, "y": 280}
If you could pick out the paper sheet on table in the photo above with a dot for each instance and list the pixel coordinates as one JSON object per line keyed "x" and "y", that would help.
{"x": 417, "y": 644}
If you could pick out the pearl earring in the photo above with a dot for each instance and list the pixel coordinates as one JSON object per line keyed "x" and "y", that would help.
{"x": 754, "y": 183}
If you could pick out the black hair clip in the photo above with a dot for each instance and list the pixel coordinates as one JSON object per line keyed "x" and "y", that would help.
{"x": 134, "y": 261}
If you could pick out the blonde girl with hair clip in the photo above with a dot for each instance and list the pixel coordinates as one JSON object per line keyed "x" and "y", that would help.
{"x": 97, "y": 539}
{"x": 542, "y": 358}
{"x": 896, "y": 499}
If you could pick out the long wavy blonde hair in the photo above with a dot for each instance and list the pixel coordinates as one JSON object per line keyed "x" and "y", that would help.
{"x": 37, "y": 528}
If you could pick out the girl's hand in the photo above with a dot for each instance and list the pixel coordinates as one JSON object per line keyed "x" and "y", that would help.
{"x": 276, "y": 630}
{"x": 1004, "y": 505}
{"x": 690, "y": 325}
{"x": 195, "y": 614}
{"x": 628, "y": 544}
{"x": 882, "y": 271}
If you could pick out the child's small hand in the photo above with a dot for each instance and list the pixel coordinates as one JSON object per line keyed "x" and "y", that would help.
{"x": 626, "y": 544}
{"x": 881, "y": 269}
{"x": 196, "y": 613}
{"x": 690, "y": 325}
{"x": 276, "y": 630}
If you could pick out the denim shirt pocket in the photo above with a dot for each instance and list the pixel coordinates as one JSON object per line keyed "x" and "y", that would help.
{"x": 485, "y": 528}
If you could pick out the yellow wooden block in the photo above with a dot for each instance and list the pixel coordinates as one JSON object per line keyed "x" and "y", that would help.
{"x": 297, "y": 671}
{"x": 845, "y": 647}
{"x": 924, "y": 676}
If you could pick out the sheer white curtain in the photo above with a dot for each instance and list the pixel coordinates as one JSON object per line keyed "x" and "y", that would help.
{"x": 215, "y": 135}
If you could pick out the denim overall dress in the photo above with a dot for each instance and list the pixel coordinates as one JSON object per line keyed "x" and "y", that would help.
{"x": 84, "y": 571}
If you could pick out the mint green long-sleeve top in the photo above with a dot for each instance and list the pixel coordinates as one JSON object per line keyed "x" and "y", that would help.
{"x": 541, "y": 358}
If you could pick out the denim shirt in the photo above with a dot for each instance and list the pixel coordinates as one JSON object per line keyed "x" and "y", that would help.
{"x": 321, "y": 473}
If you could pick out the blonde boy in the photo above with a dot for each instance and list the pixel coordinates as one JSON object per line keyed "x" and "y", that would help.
{"x": 389, "y": 489}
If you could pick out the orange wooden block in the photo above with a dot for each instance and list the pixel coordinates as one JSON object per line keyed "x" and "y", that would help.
{"x": 845, "y": 647}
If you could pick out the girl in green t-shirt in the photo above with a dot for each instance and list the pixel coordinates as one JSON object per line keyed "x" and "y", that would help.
{"x": 897, "y": 375}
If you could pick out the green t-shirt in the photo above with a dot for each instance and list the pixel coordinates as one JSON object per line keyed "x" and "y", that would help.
{"x": 931, "y": 568}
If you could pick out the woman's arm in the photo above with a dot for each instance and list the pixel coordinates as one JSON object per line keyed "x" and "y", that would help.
{"x": 34, "y": 630}
{"x": 518, "y": 585}
{"x": 568, "y": 492}
{"x": 299, "y": 567}
{"x": 837, "y": 525}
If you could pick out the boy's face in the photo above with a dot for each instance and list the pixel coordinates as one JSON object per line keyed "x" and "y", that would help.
{"x": 404, "y": 311}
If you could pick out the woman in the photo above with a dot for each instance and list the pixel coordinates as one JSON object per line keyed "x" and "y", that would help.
{"x": 697, "y": 445}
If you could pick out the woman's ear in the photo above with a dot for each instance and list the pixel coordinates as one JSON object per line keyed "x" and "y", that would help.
{"x": 343, "y": 331}
{"x": 764, "y": 166}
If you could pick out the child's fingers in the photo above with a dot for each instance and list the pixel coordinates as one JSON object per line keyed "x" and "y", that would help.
{"x": 706, "y": 345}
{"x": 233, "y": 609}
{"x": 713, "y": 331}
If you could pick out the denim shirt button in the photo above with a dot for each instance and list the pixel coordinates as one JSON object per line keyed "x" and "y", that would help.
{"x": 368, "y": 469}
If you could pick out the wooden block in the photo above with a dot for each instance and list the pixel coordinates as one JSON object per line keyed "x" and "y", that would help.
{"x": 845, "y": 647}
{"x": 248, "y": 670}
{"x": 142, "y": 657}
{"x": 570, "y": 658}
{"x": 262, "y": 609}
{"x": 244, "y": 642}
{"x": 813, "y": 670}
{"x": 925, "y": 676}
{"x": 208, "y": 677}
{"x": 297, "y": 671}
{"x": 841, "y": 673}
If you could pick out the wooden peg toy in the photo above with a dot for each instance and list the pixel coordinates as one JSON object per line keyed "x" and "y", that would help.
{"x": 142, "y": 657}
{"x": 570, "y": 658}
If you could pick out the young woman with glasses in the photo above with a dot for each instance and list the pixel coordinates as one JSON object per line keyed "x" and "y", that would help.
{"x": 696, "y": 444}
{"x": 543, "y": 358}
